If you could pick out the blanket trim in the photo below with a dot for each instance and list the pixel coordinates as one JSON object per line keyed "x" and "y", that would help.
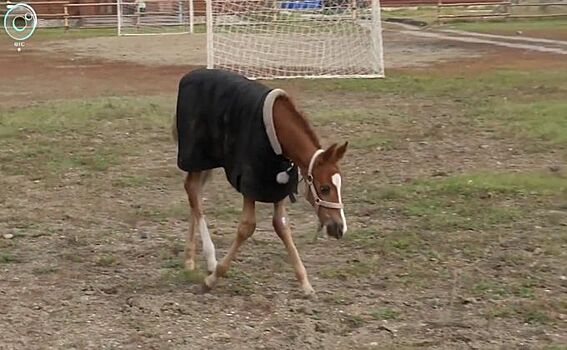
{"x": 268, "y": 114}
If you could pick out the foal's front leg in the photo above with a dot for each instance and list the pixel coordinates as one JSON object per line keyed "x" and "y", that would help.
{"x": 246, "y": 228}
{"x": 284, "y": 232}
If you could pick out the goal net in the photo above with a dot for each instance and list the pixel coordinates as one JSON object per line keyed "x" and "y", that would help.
{"x": 151, "y": 17}
{"x": 266, "y": 39}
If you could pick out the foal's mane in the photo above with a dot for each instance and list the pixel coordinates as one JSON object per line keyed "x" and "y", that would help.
{"x": 304, "y": 122}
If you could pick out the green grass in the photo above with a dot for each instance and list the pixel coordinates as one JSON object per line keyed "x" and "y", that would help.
{"x": 226, "y": 212}
{"x": 478, "y": 185}
{"x": 44, "y": 34}
{"x": 427, "y": 14}
{"x": 88, "y": 136}
{"x": 127, "y": 181}
{"x": 173, "y": 264}
{"x": 49, "y": 34}
{"x": 332, "y": 115}
{"x": 512, "y": 26}
{"x": 541, "y": 120}
{"x": 183, "y": 276}
{"x": 473, "y": 201}
{"x": 531, "y": 312}
{"x": 536, "y": 113}
{"x": 465, "y": 88}
{"x": 161, "y": 214}
{"x": 555, "y": 347}
{"x": 7, "y": 258}
{"x": 353, "y": 321}
{"x": 371, "y": 143}
{"x": 384, "y": 313}
{"x": 83, "y": 117}
{"x": 107, "y": 260}
{"x": 354, "y": 269}
{"x": 44, "y": 270}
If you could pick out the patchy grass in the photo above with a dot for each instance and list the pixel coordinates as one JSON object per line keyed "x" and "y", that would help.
{"x": 173, "y": 264}
{"x": 353, "y": 269}
{"x": 371, "y": 143}
{"x": 49, "y": 34}
{"x": 127, "y": 181}
{"x": 353, "y": 321}
{"x": 477, "y": 186}
{"x": 227, "y": 212}
{"x": 464, "y": 90}
{"x": 531, "y": 312}
{"x": 107, "y": 261}
{"x": 78, "y": 136}
{"x": 541, "y": 120}
{"x": 85, "y": 117}
{"x": 45, "y": 34}
{"x": 385, "y": 313}
{"x": 7, "y": 258}
{"x": 183, "y": 276}
{"x": 44, "y": 270}
{"x": 469, "y": 201}
{"x": 427, "y": 14}
{"x": 242, "y": 282}
{"x": 178, "y": 211}
{"x": 483, "y": 98}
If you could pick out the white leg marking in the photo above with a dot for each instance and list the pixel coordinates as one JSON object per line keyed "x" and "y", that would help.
{"x": 336, "y": 178}
{"x": 208, "y": 246}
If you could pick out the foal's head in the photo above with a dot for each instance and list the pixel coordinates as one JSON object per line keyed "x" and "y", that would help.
{"x": 323, "y": 189}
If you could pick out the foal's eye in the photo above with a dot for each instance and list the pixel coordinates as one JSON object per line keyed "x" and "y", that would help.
{"x": 325, "y": 190}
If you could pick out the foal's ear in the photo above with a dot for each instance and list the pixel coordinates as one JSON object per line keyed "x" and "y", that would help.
{"x": 329, "y": 153}
{"x": 340, "y": 152}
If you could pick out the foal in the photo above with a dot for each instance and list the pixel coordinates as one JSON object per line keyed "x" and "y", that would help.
{"x": 208, "y": 128}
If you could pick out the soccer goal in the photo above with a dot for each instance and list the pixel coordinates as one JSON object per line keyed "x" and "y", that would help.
{"x": 152, "y": 17}
{"x": 267, "y": 39}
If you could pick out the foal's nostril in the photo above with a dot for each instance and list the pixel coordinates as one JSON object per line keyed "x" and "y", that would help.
{"x": 335, "y": 229}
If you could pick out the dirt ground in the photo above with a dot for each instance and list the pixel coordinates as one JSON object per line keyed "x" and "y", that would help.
{"x": 93, "y": 268}
{"x": 182, "y": 50}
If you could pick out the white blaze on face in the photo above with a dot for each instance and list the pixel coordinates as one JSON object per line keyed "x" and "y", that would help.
{"x": 336, "y": 179}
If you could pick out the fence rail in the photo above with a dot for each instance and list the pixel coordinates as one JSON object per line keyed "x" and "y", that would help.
{"x": 502, "y": 9}
{"x": 75, "y": 13}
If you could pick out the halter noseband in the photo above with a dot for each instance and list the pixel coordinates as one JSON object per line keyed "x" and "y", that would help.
{"x": 309, "y": 179}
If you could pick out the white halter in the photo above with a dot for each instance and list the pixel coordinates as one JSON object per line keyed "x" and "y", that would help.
{"x": 309, "y": 179}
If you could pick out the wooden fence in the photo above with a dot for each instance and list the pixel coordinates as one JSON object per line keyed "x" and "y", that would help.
{"x": 498, "y": 10}
{"x": 98, "y": 13}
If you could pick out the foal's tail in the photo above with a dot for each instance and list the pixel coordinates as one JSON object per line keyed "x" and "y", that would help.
{"x": 174, "y": 132}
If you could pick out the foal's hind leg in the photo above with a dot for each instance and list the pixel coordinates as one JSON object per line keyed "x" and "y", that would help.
{"x": 193, "y": 186}
{"x": 284, "y": 232}
{"x": 246, "y": 228}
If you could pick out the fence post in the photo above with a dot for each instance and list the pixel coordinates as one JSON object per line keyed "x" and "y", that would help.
{"x": 354, "y": 10}
{"x": 66, "y": 17}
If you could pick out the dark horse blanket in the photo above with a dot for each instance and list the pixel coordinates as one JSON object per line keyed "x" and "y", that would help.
{"x": 223, "y": 120}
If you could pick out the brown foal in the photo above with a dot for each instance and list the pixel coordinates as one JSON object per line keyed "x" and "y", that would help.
{"x": 322, "y": 176}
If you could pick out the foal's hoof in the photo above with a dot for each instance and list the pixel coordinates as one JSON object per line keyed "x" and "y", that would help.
{"x": 204, "y": 289}
{"x": 309, "y": 293}
{"x": 209, "y": 283}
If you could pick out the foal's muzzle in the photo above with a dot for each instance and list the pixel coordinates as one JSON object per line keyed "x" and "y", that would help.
{"x": 335, "y": 229}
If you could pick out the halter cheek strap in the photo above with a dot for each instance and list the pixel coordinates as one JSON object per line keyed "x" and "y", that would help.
{"x": 309, "y": 179}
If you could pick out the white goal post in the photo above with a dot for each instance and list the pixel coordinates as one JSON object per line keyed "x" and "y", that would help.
{"x": 267, "y": 39}
{"x": 154, "y": 17}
